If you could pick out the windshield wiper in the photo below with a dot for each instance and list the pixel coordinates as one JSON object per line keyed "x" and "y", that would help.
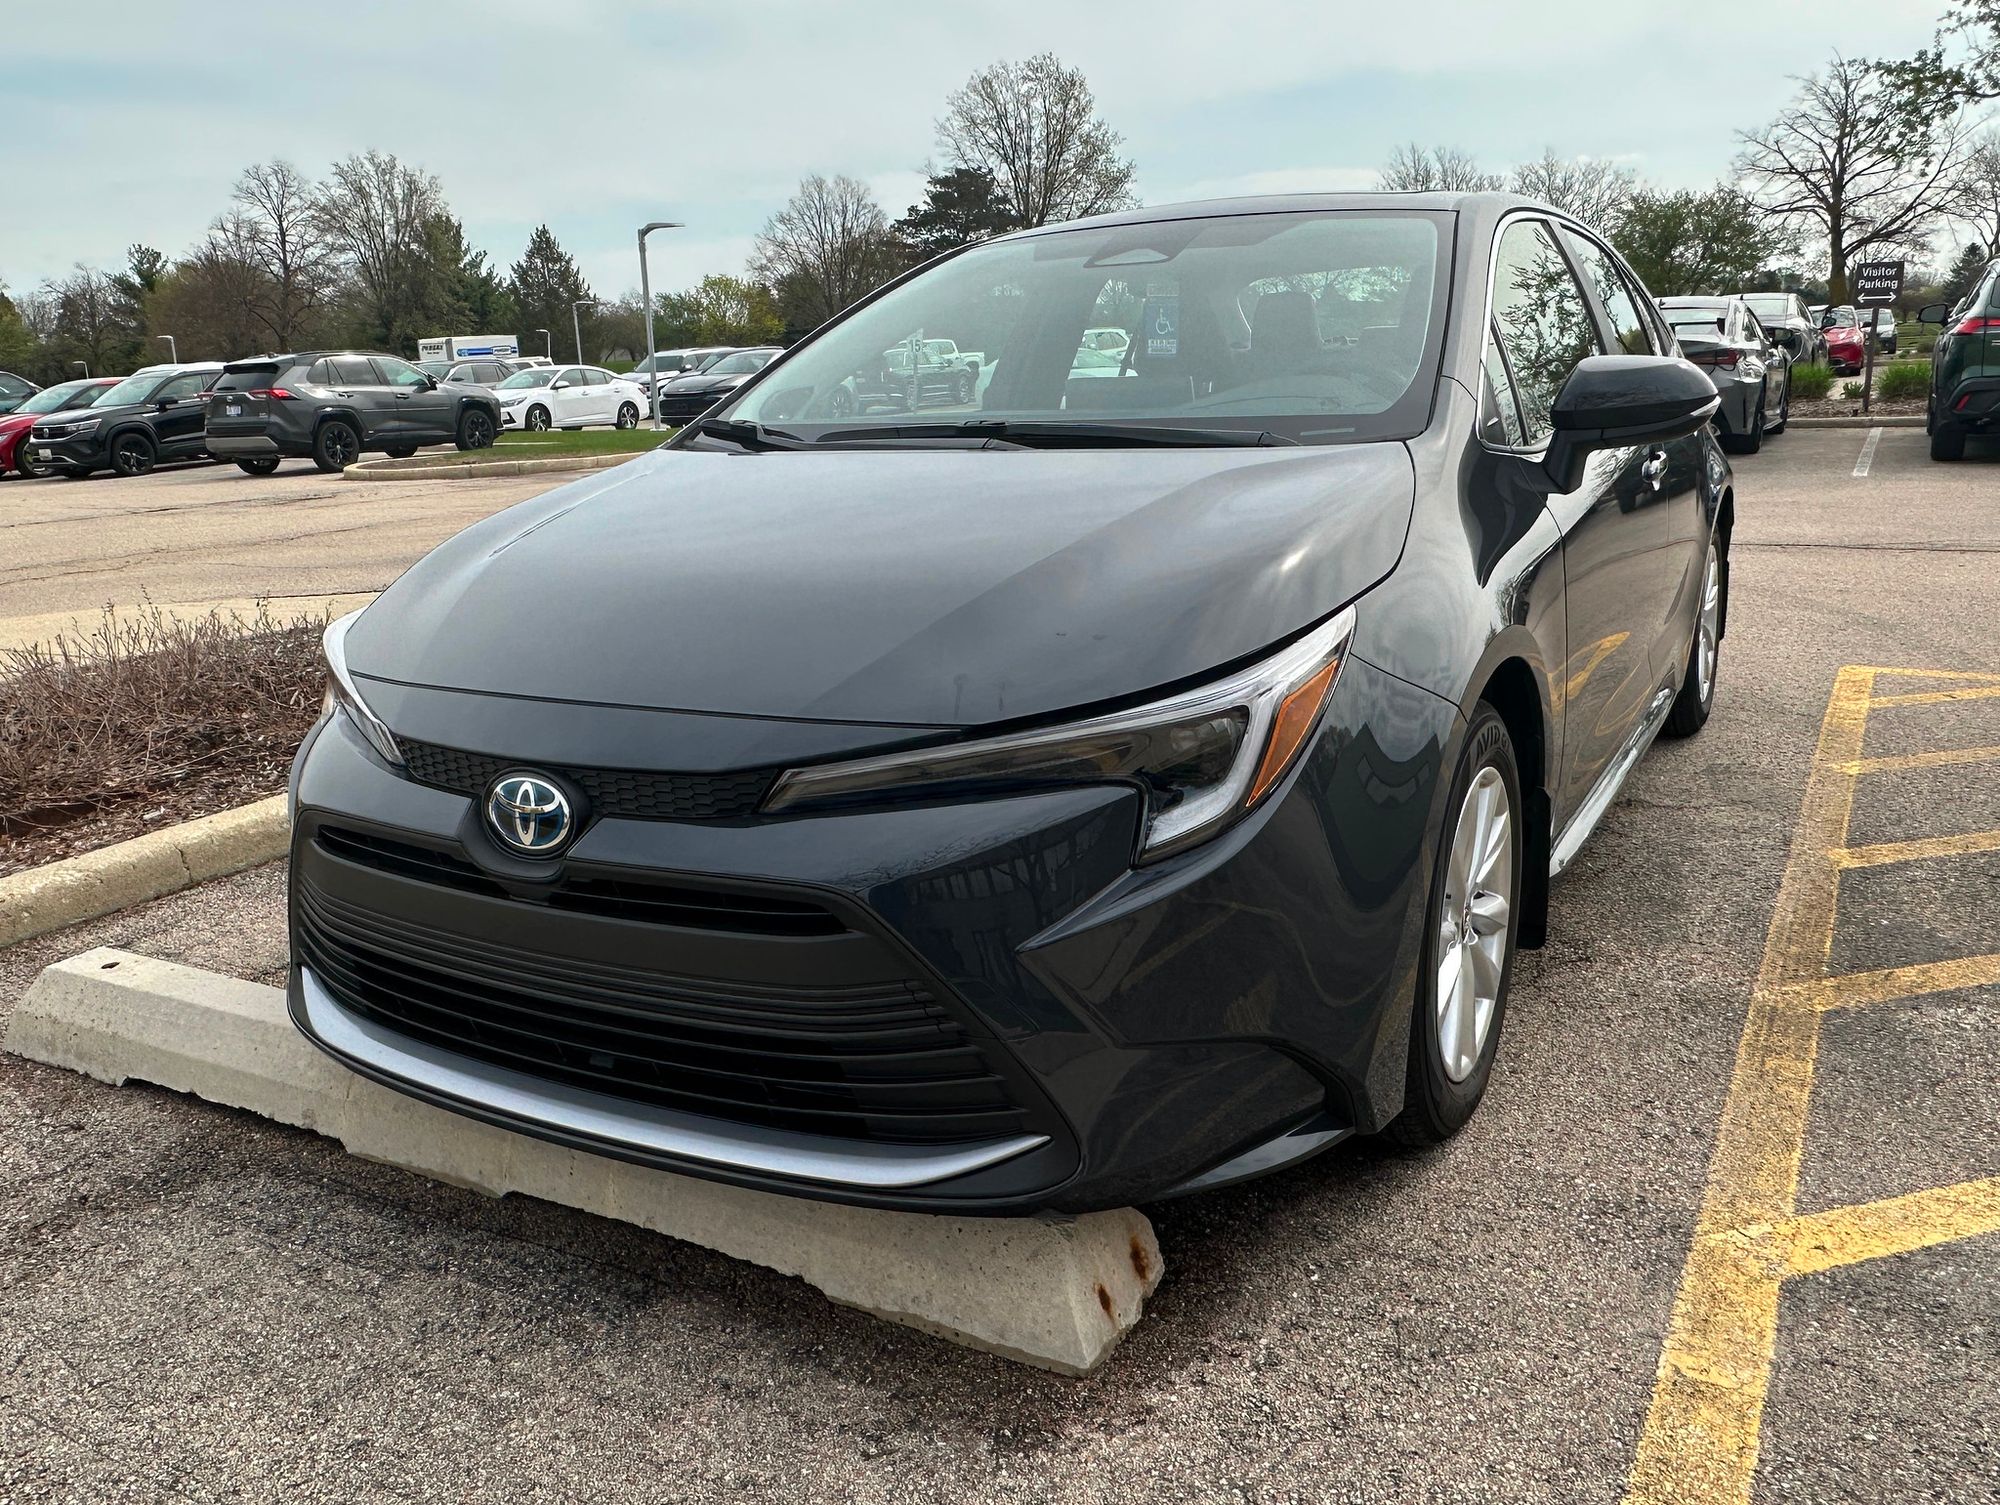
{"x": 1043, "y": 433}
{"x": 748, "y": 435}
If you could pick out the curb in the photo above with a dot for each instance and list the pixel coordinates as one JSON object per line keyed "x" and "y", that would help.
{"x": 407, "y": 470}
{"x": 1861, "y": 421}
{"x": 1055, "y": 1293}
{"x": 146, "y": 867}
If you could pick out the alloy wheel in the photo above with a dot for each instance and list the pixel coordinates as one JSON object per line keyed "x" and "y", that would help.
{"x": 538, "y": 421}
{"x": 338, "y": 445}
{"x": 132, "y": 457}
{"x": 1473, "y": 929}
{"x": 1707, "y": 638}
{"x": 628, "y": 416}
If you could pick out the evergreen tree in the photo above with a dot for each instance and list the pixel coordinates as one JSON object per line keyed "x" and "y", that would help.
{"x": 960, "y": 206}
{"x": 1964, "y": 272}
{"x": 546, "y": 284}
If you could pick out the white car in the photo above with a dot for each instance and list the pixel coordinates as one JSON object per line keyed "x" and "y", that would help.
{"x": 568, "y": 397}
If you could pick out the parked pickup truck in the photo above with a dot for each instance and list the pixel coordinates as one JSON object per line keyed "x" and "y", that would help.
{"x": 944, "y": 376}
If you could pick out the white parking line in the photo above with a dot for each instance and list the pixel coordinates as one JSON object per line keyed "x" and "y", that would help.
{"x": 1868, "y": 451}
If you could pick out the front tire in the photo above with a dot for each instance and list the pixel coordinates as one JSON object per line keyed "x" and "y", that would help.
{"x": 258, "y": 465}
{"x": 475, "y": 429}
{"x": 336, "y": 446}
{"x": 1697, "y": 694}
{"x": 537, "y": 421}
{"x": 1471, "y": 925}
{"x": 132, "y": 455}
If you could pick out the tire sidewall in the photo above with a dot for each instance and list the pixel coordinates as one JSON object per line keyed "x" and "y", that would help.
{"x": 136, "y": 444}
{"x": 1439, "y": 1105}
{"x": 537, "y": 421}
{"x": 320, "y": 456}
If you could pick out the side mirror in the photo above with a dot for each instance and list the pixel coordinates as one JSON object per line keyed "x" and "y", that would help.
{"x": 1615, "y": 400}
{"x": 1934, "y": 313}
{"x": 430, "y": 383}
{"x": 557, "y": 386}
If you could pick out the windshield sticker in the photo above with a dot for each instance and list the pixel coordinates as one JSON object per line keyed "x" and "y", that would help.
{"x": 1162, "y": 322}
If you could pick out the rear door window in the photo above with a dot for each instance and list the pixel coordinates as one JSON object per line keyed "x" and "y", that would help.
{"x": 188, "y": 384}
{"x": 354, "y": 371}
{"x": 597, "y": 378}
{"x": 1543, "y": 319}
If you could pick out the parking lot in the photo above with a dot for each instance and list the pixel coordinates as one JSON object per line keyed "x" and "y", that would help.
{"x": 1727, "y": 1227}
{"x": 190, "y": 537}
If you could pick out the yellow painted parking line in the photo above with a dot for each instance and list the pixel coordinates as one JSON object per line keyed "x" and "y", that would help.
{"x": 1840, "y": 1236}
{"x": 1885, "y": 852}
{"x": 1944, "y": 757}
{"x": 1700, "y": 1441}
{"x": 1887, "y": 984}
{"x": 1939, "y": 697}
{"x": 1902, "y": 673}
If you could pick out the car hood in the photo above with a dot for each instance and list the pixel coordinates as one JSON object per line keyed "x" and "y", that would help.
{"x": 707, "y": 383}
{"x": 942, "y": 588}
{"x": 13, "y": 423}
{"x": 71, "y": 415}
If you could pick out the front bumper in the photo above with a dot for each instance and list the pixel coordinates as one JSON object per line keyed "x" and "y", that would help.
{"x": 78, "y": 452}
{"x": 1090, "y": 1034}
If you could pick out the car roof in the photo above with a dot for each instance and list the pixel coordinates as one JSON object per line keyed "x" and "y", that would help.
{"x": 1698, "y": 300}
{"x": 1484, "y": 205}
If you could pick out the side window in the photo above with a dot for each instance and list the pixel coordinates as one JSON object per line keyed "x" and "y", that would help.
{"x": 13, "y": 386}
{"x": 397, "y": 373}
{"x": 1499, "y": 412}
{"x": 1544, "y": 323}
{"x": 321, "y": 374}
{"x": 1628, "y": 328}
{"x": 597, "y": 378}
{"x": 353, "y": 371}
{"x": 193, "y": 384}
{"x": 570, "y": 374}
{"x": 1752, "y": 330}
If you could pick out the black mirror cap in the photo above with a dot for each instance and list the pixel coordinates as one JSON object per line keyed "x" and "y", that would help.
{"x": 1934, "y": 313}
{"x": 1620, "y": 399}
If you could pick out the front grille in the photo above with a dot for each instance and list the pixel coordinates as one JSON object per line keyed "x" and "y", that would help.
{"x": 874, "y": 1057}
{"x": 611, "y": 791}
{"x": 621, "y": 898}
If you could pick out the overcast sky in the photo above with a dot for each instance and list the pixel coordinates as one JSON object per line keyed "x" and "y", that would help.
{"x": 597, "y": 117}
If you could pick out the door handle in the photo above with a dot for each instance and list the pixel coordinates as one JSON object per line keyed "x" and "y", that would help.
{"x": 1654, "y": 471}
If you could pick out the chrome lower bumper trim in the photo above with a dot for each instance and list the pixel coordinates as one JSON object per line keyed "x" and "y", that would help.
{"x": 623, "y": 1126}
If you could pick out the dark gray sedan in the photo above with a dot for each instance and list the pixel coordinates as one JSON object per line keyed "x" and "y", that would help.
{"x": 1752, "y": 372}
{"x": 1116, "y": 790}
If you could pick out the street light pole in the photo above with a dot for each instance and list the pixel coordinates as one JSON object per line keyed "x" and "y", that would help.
{"x": 576, "y": 322}
{"x": 646, "y": 293}
{"x": 84, "y": 364}
{"x": 548, "y": 345}
{"x": 173, "y": 350}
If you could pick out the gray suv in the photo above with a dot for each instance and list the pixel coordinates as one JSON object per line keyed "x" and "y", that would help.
{"x": 331, "y": 406}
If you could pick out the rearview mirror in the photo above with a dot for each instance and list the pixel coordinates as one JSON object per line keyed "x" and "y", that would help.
{"x": 1615, "y": 400}
{"x": 1934, "y": 313}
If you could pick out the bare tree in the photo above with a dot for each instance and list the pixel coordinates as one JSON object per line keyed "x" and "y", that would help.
{"x": 1842, "y": 164}
{"x": 90, "y": 320}
{"x": 1436, "y": 169}
{"x": 278, "y": 226}
{"x": 1592, "y": 189}
{"x": 1033, "y": 127}
{"x": 827, "y": 247}
{"x": 375, "y": 213}
{"x": 1980, "y": 209}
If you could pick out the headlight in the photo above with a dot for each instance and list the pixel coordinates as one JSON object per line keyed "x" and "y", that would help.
{"x": 1204, "y": 758}
{"x": 71, "y": 430}
{"x": 341, "y": 694}
{"x": 512, "y": 402}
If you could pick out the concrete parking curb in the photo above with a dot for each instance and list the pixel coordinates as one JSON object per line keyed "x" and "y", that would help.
{"x": 1861, "y": 421}
{"x": 146, "y": 867}
{"x": 412, "y": 470}
{"x": 1054, "y": 1293}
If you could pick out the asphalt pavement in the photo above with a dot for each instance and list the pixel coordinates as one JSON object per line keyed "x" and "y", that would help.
{"x": 197, "y": 1304}
{"x": 191, "y": 537}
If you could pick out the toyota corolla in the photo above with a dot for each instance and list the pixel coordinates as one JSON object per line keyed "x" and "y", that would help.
{"x": 1111, "y": 790}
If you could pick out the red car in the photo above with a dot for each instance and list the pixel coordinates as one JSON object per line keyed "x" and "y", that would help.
{"x": 14, "y": 426}
{"x": 1844, "y": 334}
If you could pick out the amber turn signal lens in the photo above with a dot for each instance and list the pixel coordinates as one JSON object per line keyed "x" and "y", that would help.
{"x": 1289, "y": 728}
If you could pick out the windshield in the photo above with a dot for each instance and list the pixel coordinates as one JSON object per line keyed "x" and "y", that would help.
{"x": 739, "y": 363}
{"x": 534, "y": 376}
{"x": 132, "y": 389}
{"x": 1313, "y": 326}
{"x": 55, "y": 399}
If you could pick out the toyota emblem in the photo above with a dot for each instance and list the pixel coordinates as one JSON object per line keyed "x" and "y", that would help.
{"x": 529, "y": 815}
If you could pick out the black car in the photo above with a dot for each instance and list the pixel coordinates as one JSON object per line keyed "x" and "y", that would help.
{"x": 15, "y": 390}
{"x": 1142, "y": 784}
{"x": 1964, "y": 396}
{"x": 152, "y": 415}
{"x": 333, "y": 405}
{"x": 683, "y": 397}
